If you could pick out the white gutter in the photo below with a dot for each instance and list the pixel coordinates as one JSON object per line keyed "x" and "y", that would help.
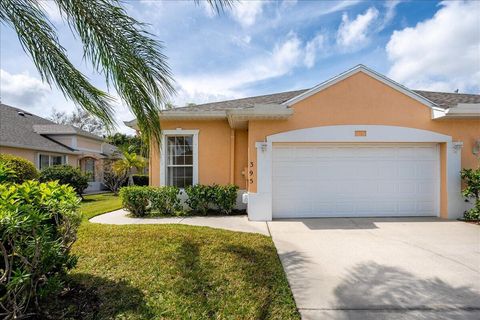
{"x": 461, "y": 110}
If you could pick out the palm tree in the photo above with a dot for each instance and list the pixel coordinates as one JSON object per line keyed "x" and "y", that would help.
{"x": 117, "y": 46}
{"x": 125, "y": 165}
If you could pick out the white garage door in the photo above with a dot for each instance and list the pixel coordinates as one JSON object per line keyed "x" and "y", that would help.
{"x": 351, "y": 180}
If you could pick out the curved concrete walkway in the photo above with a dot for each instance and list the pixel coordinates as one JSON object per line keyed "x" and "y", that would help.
{"x": 233, "y": 223}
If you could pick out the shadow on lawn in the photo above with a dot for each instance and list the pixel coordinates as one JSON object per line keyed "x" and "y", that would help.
{"x": 91, "y": 297}
{"x": 194, "y": 283}
{"x": 254, "y": 267}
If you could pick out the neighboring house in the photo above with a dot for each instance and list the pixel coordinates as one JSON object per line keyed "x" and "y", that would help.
{"x": 46, "y": 144}
{"x": 358, "y": 144}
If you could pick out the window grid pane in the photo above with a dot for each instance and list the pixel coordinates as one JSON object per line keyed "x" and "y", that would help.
{"x": 179, "y": 161}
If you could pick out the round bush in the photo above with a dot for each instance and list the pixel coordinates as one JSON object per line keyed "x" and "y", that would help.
{"x": 24, "y": 170}
{"x": 38, "y": 225}
{"x": 66, "y": 174}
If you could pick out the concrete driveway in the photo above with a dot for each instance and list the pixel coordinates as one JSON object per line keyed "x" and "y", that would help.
{"x": 381, "y": 268}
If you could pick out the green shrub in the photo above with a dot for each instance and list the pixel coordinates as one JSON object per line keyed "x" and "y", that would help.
{"x": 471, "y": 177}
{"x": 38, "y": 225}
{"x": 66, "y": 174}
{"x": 143, "y": 201}
{"x": 6, "y": 173}
{"x": 165, "y": 201}
{"x": 24, "y": 169}
{"x": 140, "y": 179}
{"x": 200, "y": 198}
{"x": 225, "y": 197}
{"x": 137, "y": 200}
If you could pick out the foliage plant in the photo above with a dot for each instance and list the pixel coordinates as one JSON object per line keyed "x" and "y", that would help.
{"x": 165, "y": 201}
{"x": 200, "y": 197}
{"x": 143, "y": 201}
{"x": 225, "y": 197}
{"x": 114, "y": 181}
{"x": 471, "y": 178}
{"x": 23, "y": 169}
{"x": 137, "y": 200}
{"x": 38, "y": 226}
{"x": 6, "y": 173}
{"x": 66, "y": 174}
{"x": 129, "y": 162}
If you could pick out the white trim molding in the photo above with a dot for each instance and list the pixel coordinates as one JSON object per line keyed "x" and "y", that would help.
{"x": 260, "y": 203}
{"x": 163, "y": 153}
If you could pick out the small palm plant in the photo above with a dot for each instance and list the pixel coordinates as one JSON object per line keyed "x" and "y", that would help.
{"x": 129, "y": 162}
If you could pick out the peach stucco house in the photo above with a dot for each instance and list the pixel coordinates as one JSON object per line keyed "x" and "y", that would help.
{"x": 358, "y": 144}
{"x": 46, "y": 143}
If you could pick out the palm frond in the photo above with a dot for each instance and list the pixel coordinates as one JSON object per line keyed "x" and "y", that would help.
{"x": 129, "y": 57}
{"x": 219, "y": 5}
{"x": 38, "y": 39}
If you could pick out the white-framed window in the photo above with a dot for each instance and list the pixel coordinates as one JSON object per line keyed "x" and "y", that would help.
{"x": 179, "y": 161}
{"x": 48, "y": 160}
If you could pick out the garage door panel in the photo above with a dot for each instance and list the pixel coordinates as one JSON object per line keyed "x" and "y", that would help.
{"x": 355, "y": 180}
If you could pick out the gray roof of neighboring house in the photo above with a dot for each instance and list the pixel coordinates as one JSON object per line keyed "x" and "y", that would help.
{"x": 442, "y": 99}
{"x": 53, "y": 129}
{"x": 19, "y": 128}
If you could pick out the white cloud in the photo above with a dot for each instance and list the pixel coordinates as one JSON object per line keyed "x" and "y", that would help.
{"x": 247, "y": 12}
{"x": 441, "y": 53}
{"x": 21, "y": 89}
{"x": 312, "y": 48}
{"x": 354, "y": 34}
{"x": 390, "y": 12}
{"x": 284, "y": 57}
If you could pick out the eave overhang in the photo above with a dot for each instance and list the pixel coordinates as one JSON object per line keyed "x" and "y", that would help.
{"x": 460, "y": 111}
{"x": 237, "y": 118}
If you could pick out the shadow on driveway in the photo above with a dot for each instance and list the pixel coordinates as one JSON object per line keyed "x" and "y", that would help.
{"x": 357, "y": 223}
{"x": 377, "y": 288}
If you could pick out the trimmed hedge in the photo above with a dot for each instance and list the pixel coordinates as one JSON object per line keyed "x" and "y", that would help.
{"x": 140, "y": 179}
{"x": 225, "y": 197}
{"x": 200, "y": 198}
{"x": 66, "y": 174}
{"x": 143, "y": 201}
{"x": 24, "y": 170}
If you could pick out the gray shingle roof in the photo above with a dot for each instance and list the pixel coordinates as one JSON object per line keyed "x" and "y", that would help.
{"x": 448, "y": 100}
{"x": 17, "y": 128}
{"x": 242, "y": 103}
{"x": 442, "y": 99}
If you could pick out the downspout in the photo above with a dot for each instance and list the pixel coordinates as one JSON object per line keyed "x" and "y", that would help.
{"x": 232, "y": 155}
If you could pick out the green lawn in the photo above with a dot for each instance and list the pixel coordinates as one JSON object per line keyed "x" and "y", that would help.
{"x": 173, "y": 272}
{"x": 95, "y": 204}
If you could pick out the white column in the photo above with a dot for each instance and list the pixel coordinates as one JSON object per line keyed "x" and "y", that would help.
{"x": 260, "y": 203}
{"x": 456, "y": 203}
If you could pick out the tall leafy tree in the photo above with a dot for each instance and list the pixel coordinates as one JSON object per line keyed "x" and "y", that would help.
{"x": 80, "y": 119}
{"x": 118, "y": 47}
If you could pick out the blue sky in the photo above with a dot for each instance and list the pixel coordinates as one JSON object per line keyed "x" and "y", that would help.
{"x": 262, "y": 47}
